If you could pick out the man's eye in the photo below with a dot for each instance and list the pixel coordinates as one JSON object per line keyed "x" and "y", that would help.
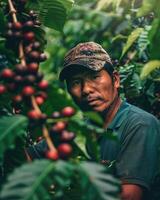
{"x": 95, "y": 76}
{"x": 75, "y": 82}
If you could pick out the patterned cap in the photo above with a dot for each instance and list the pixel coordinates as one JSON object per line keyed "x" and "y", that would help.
{"x": 89, "y": 54}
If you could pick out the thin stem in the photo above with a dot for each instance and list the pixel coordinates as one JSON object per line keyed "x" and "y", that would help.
{"x": 48, "y": 139}
{"x": 12, "y": 11}
{"x": 34, "y": 104}
{"x": 44, "y": 129}
{"x": 27, "y": 155}
{"x": 51, "y": 121}
{"x": 21, "y": 54}
{"x": 21, "y": 51}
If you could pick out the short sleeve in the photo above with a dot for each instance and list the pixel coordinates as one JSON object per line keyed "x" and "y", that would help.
{"x": 137, "y": 160}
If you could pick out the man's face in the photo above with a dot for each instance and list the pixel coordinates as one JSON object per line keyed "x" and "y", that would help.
{"x": 93, "y": 91}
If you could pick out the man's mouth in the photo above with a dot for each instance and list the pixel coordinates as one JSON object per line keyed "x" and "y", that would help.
{"x": 92, "y": 102}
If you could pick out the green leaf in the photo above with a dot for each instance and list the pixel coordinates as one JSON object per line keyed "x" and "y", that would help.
{"x": 32, "y": 180}
{"x": 119, "y": 37}
{"x": 131, "y": 39}
{"x": 10, "y": 128}
{"x": 149, "y": 67}
{"x": 27, "y": 181}
{"x": 103, "y": 3}
{"x": 106, "y": 3}
{"x": 33, "y": 4}
{"x": 53, "y": 14}
{"x": 57, "y": 99}
{"x": 2, "y": 22}
{"x": 154, "y": 36}
{"x": 67, "y": 4}
{"x": 95, "y": 117}
{"x": 97, "y": 183}
{"x": 147, "y": 7}
{"x": 14, "y": 157}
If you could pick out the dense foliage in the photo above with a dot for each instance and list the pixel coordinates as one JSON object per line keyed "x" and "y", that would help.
{"x": 34, "y": 105}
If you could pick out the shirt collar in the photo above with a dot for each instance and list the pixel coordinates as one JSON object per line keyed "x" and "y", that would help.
{"x": 120, "y": 115}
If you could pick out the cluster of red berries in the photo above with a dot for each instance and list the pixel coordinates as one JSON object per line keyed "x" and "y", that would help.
{"x": 23, "y": 83}
{"x": 62, "y": 138}
{"x": 24, "y": 80}
{"x": 27, "y": 87}
{"x": 24, "y": 31}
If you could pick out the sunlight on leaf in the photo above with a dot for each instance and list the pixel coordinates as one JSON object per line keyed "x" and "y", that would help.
{"x": 149, "y": 67}
{"x": 131, "y": 39}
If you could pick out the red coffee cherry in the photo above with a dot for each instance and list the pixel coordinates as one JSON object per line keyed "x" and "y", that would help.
{"x": 34, "y": 55}
{"x": 34, "y": 115}
{"x": 53, "y": 155}
{"x": 64, "y": 150}
{"x": 43, "y": 84}
{"x": 56, "y": 115}
{"x": 42, "y": 94}
{"x": 33, "y": 67}
{"x": 30, "y": 79}
{"x": 17, "y": 34}
{"x": 28, "y": 24}
{"x": 28, "y": 49}
{"x": 28, "y": 91}
{"x": 67, "y": 136}
{"x": 7, "y": 73}
{"x": 18, "y": 98}
{"x": 39, "y": 139}
{"x": 29, "y": 36}
{"x": 59, "y": 126}
{"x": 18, "y": 79}
{"x": 21, "y": 69}
{"x": 39, "y": 100}
{"x": 68, "y": 111}
{"x": 36, "y": 45}
{"x": 17, "y": 26}
{"x": 2, "y": 89}
{"x": 42, "y": 57}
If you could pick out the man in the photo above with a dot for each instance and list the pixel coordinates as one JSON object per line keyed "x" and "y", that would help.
{"x": 93, "y": 84}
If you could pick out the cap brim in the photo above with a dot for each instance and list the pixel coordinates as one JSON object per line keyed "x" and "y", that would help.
{"x": 67, "y": 70}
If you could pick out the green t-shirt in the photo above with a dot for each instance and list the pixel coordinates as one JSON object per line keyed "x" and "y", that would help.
{"x": 137, "y": 152}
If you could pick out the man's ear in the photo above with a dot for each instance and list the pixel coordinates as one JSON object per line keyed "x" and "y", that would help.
{"x": 116, "y": 79}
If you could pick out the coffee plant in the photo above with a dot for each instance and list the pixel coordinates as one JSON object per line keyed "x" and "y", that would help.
{"x": 34, "y": 108}
{"x": 26, "y": 120}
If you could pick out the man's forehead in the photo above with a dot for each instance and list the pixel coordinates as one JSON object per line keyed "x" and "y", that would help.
{"x": 82, "y": 73}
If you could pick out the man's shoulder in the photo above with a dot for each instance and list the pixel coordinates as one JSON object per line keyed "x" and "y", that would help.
{"x": 140, "y": 116}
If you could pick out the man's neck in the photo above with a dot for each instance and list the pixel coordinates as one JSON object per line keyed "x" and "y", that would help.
{"x": 110, "y": 112}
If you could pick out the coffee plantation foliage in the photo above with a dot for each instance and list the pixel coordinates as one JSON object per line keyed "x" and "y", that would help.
{"x": 129, "y": 31}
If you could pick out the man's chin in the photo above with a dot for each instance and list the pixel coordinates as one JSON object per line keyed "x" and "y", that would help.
{"x": 88, "y": 108}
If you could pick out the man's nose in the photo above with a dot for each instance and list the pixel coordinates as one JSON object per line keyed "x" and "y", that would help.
{"x": 87, "y": 88}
